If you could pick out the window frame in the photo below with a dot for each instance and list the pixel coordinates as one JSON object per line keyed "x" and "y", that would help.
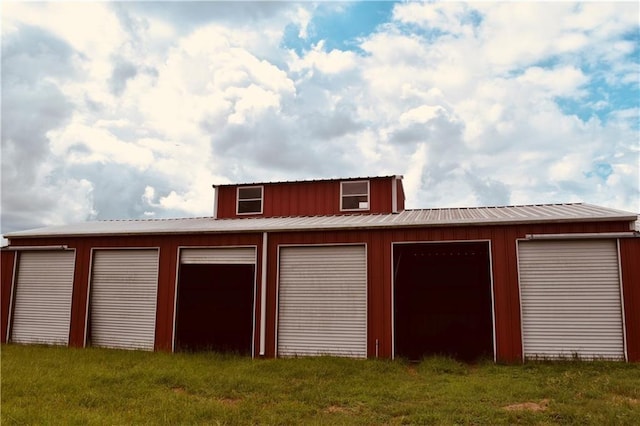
{"x": 238, "y": 200}
{"x": 342, "y": 195}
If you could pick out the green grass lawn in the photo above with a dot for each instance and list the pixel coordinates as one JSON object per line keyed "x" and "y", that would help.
{"x": 98, "y": 386}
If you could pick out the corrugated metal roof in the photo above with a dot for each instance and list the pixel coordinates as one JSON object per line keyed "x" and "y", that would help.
{"x": 405, "y": 219}
{"x": 337, "y": 179}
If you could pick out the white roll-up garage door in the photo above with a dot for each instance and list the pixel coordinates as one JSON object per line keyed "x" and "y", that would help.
{"x": 322, "y": 306}
{"x": 219, "y": 255}
{"x": 570, "y": 296}
{"x": 42, "y": 304}
{"x": 123, "y": 298}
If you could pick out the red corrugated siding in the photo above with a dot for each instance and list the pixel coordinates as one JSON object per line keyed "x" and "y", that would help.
{"x": 166, "y": 277}
{"x": 379, "y": 270}
{"x": 307, "y": 198}
{"x": 504, "y": 274}
{"x": 226, "y": 199}
{"x": 6, "y": 274}
{"x": 630, "y": 262}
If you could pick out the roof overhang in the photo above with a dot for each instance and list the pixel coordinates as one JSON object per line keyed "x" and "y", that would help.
{"x": 481, "y": 216}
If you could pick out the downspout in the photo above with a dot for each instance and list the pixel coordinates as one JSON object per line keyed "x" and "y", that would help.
{"x": 215, "y": 201}
{"x": 263, "y": 295}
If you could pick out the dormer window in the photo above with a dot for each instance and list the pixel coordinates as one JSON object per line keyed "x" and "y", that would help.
{"x": 250, "y": 200}
{"x": 354, "y": 195}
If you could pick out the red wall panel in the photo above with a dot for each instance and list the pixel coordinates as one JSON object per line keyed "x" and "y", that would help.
{"x": 379, "y": 270}
{"x": 309, "y": 198}
{"x": 6, "y": 275}
{"x": 504, "y": 273}
{"x": 167, "y": 273}
{"x": 80, "y": 292}
{"x": 630, "y": 265}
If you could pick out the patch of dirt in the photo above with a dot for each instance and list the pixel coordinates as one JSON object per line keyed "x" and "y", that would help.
{"x": 339, "y": 409}
{"x": 336, "y": 409}
{"x": 628, "y": 400}
{"x": 528, "y": 406}
{"x": 179, "y": 389}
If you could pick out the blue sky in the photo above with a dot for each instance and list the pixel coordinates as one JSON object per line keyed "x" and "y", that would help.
{"x": 606, "y": 96}
{"x": 339, "y": 25}
{"x": 130, "y": 110}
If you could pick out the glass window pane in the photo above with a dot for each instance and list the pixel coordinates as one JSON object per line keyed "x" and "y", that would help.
{"x": 247, "y": 193}
{"x": 353, "y": 202}
{"x": 249, "y": 206}
{"x": 354, "y": 188}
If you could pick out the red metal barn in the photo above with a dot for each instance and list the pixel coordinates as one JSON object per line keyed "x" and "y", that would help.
{"x": 334, "y": 267}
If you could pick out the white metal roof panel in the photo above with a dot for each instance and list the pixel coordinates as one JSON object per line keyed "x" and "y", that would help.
{"x": 405, "y": 219}
{"x": 337, "y": 179}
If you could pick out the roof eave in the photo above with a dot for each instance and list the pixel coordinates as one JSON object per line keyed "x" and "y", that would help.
{"x": 332, "y": 227}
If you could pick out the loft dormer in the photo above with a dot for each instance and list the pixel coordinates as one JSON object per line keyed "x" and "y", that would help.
{"x": 367, "y": 195}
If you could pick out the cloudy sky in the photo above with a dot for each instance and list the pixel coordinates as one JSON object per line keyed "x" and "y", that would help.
{"x": 134, "y": 109}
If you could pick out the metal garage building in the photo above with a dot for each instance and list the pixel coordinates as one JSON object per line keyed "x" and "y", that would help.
{"x": 363, "y": 278}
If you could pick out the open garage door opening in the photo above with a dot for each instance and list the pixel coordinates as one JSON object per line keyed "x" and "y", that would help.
{"x": 215, "y": 308}
{"x": 442, "y": 298}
